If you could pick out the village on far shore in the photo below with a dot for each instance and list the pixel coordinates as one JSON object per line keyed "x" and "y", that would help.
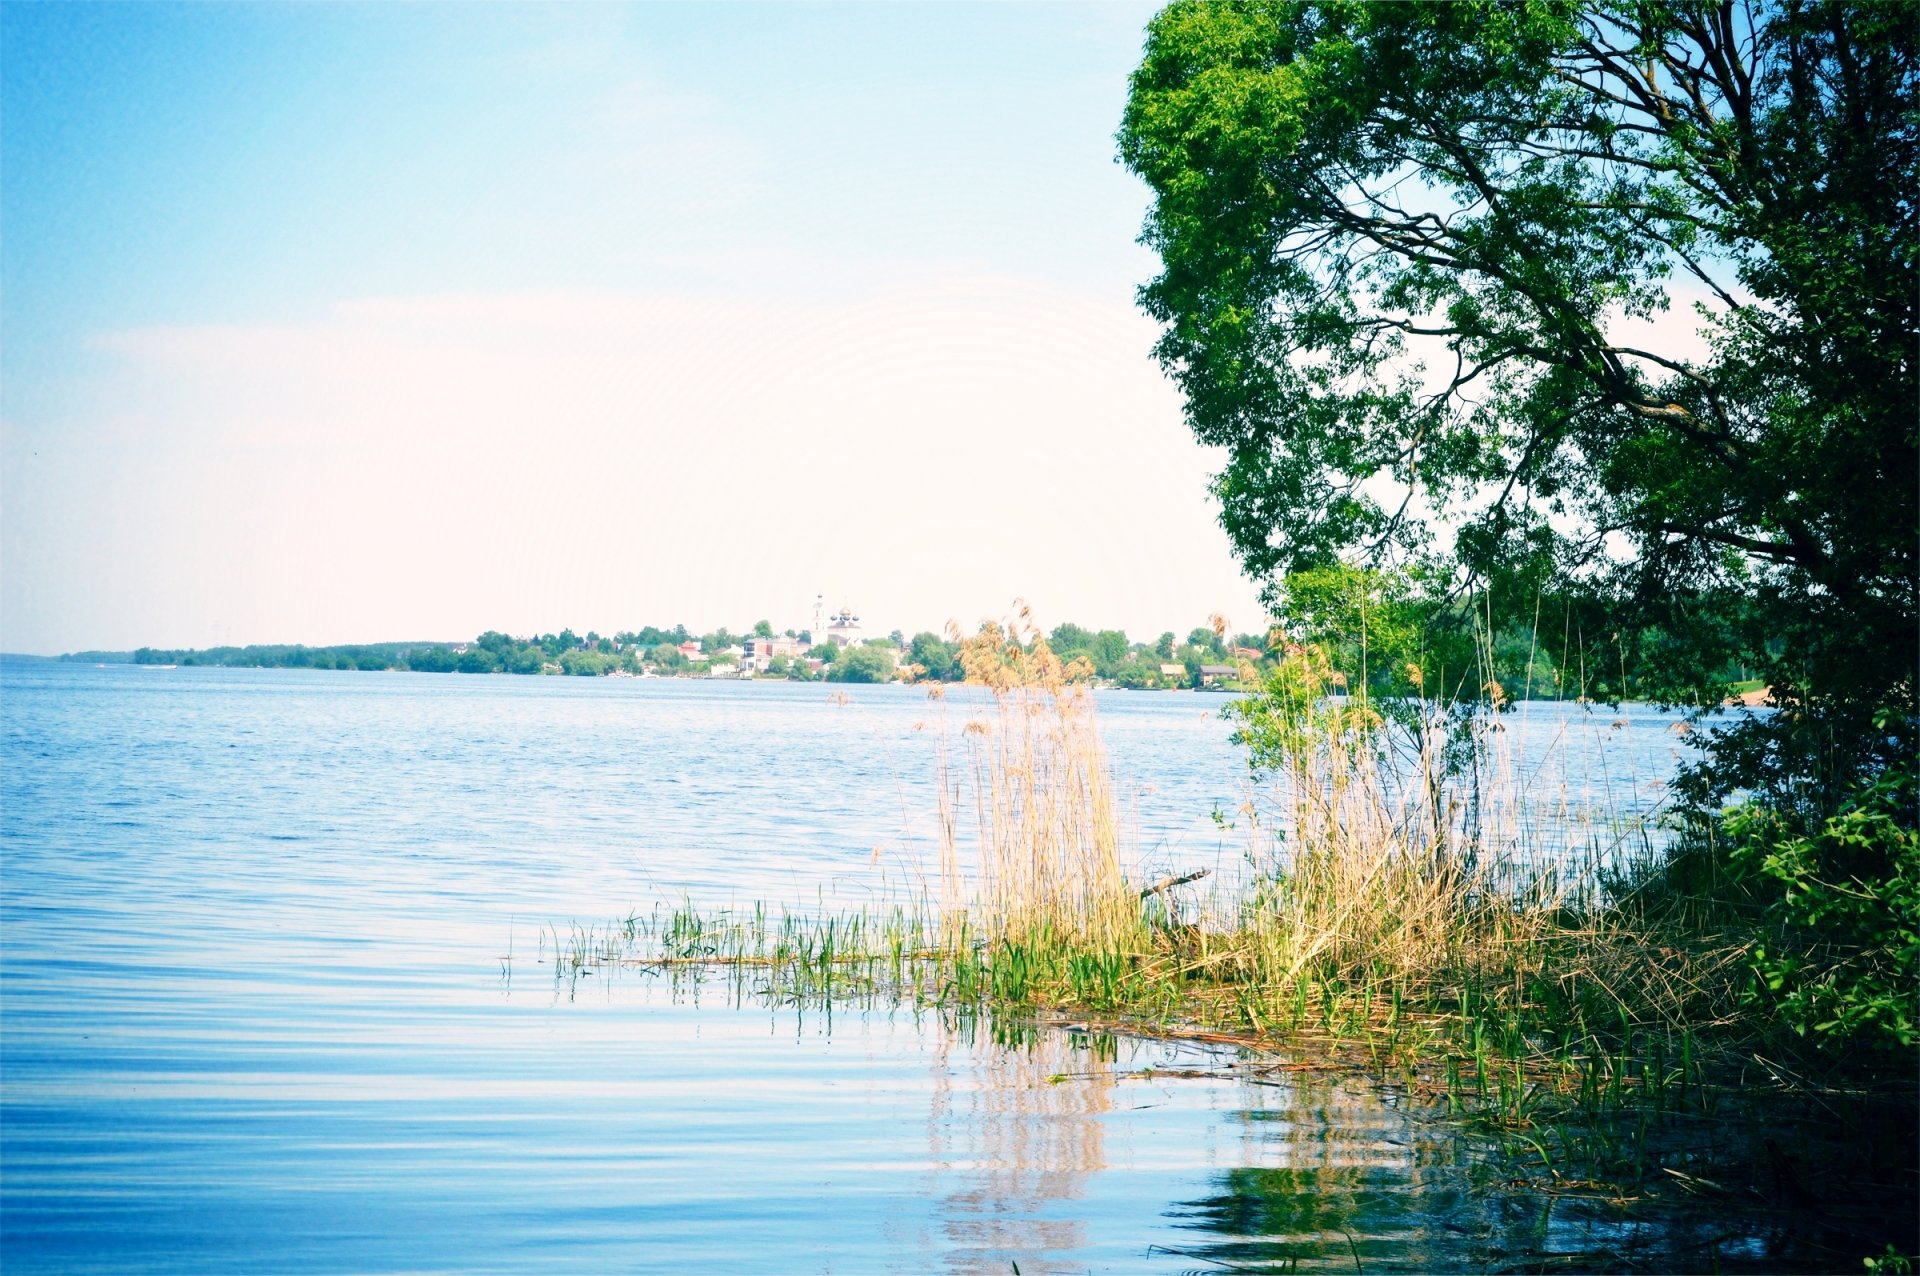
{"x": 835, "y": 648}
{"x": 845, "y": 653}
{"x": 1514, "y": 665}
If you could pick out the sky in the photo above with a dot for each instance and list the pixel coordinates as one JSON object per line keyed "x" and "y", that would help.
{"x": 337, "y": 323}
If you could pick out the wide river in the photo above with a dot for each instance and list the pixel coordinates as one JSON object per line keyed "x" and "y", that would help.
{"x": 272, "y": 998}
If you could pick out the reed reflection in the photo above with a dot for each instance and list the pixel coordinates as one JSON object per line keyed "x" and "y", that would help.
{"x": 1334, "y": 1172}
{"x": 1014, "y": 1127}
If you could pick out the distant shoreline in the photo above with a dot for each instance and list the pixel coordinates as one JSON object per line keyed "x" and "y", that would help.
{"x": 1754, "y": 698}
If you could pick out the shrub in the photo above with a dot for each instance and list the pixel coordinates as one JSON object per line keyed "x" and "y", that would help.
{"x": 1840, "y": 951}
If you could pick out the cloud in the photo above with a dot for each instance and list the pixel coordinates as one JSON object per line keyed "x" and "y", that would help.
{"x": 430, "y": 465}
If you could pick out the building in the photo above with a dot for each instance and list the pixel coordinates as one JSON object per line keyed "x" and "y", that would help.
{"x": 759, "y": 653}
{"x": 844, "y": 628}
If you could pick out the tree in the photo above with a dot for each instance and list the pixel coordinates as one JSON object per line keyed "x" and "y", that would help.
{"x": 1109, "y": 650}
{"x": 1207, "y": 640}
{"x": 1401, "y": 247}
{"x": 865, "y": 663}
{"x": 1070, "y": 637}
{"x": 933, "y": 655}
{"x": 763, "y": 629}
{"x": 435, "y": 658}
{"x": 587, "y": 663}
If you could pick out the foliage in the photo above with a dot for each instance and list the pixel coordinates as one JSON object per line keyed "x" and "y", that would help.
{"x": 932, "y": 656}
{"x": 1070, "y": 637}
{"x": 1296, "y": 712}
{"x": 1109, "y": 649}
{"x": 588, "y": 664}
{"x": 1106, "y": 649}
{"x": 1841, "y": 956}
{"x": 864, "y": 663}
{"x": 1015, "y": 656}
{"x": 1891, "y": 1262}
{"x": 1209, "y": 642}
{"x": 1404, "y": 248}
{"x": 1137, "y": 673}
{"x": 1311, "y": 600}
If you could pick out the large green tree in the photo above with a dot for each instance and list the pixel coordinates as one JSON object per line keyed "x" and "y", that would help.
{"x": 1405, "y": 247}
{"x": 865, "y": 663}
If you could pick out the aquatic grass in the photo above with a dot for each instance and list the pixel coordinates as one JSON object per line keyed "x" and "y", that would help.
{"x": 1046, "y": 838}
{"x": 1401, "y": 912}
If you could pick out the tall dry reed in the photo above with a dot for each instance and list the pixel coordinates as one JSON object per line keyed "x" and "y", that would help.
{"x": 1392, "y": 849}
{"x": 1044, "y": 820}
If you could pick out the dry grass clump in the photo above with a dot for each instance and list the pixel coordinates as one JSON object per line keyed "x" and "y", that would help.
{"x": 1390, "y": 871}
{"x": 1034, "y": 777}
{"x": 1369, "y": 869}
{"x": 1389, "y": 885}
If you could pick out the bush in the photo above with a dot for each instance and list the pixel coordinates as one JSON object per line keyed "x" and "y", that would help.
{"x": 1839, "y": 956}
{"x": 862, "y": 664}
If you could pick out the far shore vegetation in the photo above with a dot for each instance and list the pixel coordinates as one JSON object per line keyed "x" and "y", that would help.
{"x": 1526, "y": 664}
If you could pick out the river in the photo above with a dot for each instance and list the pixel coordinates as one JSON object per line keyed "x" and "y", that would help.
{"x": 272, "y": 998}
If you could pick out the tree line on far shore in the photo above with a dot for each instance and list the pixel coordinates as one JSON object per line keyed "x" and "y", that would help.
{"x": 1525, "y": 663}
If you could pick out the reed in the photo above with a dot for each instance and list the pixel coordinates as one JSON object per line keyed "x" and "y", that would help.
{"x": 1402, "y": 912}
{"x": 1389, "y": 907}
{"x": 1035, "y": 781}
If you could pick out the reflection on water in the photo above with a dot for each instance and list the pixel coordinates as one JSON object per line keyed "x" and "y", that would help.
{"x": 1020, "y": 1142}
{"x": 253, "y": 928}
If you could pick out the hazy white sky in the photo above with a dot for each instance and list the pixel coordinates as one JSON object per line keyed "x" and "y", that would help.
{"x": 334, "y": 323}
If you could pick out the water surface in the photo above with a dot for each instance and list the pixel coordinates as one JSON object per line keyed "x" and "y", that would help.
{"x": 271, "y": 999}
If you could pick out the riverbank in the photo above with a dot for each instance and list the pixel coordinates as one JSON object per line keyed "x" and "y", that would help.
{"x": 1647, "y": 1029}
{"x": 1601, "y": 1101}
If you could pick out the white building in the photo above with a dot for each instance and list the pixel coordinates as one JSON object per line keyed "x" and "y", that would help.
{"x": 760, "y": 652}
{"x": 843, "y": 629}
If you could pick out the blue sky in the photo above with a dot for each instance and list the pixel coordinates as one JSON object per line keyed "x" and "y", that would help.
{"x": 334, "y": 322}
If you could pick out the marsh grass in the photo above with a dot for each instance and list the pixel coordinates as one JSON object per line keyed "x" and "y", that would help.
{"x": 1400, "y": 914}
